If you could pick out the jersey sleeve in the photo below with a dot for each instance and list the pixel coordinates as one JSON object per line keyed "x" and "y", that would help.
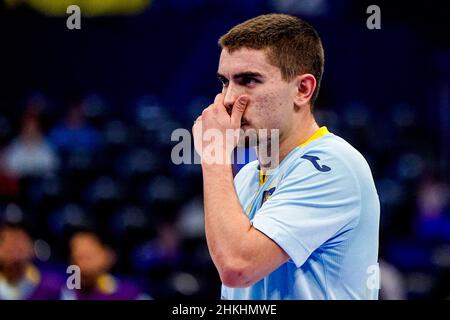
{"x": 317, "y": 202}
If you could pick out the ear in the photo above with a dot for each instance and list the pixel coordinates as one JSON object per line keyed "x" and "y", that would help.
{"x": 306, "y": 85}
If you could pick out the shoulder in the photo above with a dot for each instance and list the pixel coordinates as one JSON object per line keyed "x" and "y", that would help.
{"x": 331, "y": 154}
{"x": 329, "y": 163}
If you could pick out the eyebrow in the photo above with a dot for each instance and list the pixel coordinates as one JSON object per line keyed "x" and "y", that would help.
{"x": 249, "y": 74}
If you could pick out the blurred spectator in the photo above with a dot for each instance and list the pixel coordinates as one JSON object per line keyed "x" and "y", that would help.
{"x": 433, "y": 220}
{"x": 392, "y": 282}
{"x": 164, "y": 251}
{"x": 95, "y": 260}
{"x": 20, "y": 279}
{"x": 9, "y": 185}
{"x": 30, "y": 154}
{"x": 74, "y": 133}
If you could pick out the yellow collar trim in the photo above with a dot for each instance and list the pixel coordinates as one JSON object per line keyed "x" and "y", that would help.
{"x": 262, "y": 177}
{"x": 32, "y": 273}
{"x": 106, "y": 284}
{"x": 319, "y": 133}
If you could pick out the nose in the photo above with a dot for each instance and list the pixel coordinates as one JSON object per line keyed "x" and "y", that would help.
{"x": 231, "y": 93}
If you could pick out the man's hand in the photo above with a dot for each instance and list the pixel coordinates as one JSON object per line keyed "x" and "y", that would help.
{"x": 242, "y": 254}
{"x": 216, "y": 133}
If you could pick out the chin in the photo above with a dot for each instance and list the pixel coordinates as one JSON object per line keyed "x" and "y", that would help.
{"x": 249, "y": 138}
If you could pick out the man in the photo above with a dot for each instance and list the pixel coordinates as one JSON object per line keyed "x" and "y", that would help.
{"x": 95, "y": 259}
{"x": 20, "y": 278}
{"x": 306, "y": 228}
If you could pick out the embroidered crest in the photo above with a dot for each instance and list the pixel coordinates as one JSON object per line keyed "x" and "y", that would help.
{"x": 266, "y": 195}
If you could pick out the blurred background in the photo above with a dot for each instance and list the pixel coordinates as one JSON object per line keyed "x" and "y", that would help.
{"x": 86, "y": 118}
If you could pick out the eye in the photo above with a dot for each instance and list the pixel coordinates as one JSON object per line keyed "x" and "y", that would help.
{"x": 224, "y": 81}
{"x": 248, "y": 81}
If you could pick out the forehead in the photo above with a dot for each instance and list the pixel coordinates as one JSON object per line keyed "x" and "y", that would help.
{"x": 84, "y": 240}
{"x": 243, "y": 60}
{"x": 12, "y": 232}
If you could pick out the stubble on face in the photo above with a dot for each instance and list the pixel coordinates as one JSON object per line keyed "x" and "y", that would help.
{"x": 269, "y": 100}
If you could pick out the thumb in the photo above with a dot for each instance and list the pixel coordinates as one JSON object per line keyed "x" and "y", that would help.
{"x": 238, "y": 109}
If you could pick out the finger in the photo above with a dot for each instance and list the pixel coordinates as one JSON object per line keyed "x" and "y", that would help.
{"x": 218, "y": 100}
{"x": 199, "y": 118}
{"x": 238, "y": 110}
{"x": 218, "y": 106}
{"x": 196, "y": 123}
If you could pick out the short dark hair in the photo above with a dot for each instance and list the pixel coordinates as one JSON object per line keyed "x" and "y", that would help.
{"x": 17, "y": 226}
{"x": 292, "y": 44}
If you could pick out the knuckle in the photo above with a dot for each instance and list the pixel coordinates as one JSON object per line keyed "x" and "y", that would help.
{"x": 207, "y": 110}
{"x": 239, "y": 107}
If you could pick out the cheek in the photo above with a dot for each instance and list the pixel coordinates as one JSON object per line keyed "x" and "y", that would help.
{"x": 268, "y": 110}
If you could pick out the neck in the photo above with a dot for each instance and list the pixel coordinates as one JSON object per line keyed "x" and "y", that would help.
{"x": 287, "y": 142}
{"x": 13, "y": 274}
{"x": 88, "y": 283}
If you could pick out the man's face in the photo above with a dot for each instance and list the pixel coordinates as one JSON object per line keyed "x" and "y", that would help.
{"x": 16, "y": 248}
{"x": 92, "y": 258}
{"x": 271, "y": 105}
